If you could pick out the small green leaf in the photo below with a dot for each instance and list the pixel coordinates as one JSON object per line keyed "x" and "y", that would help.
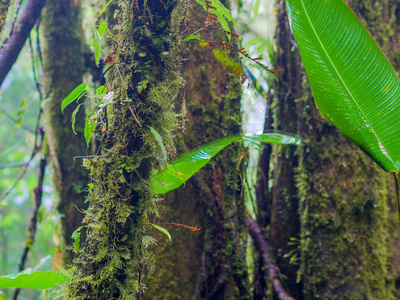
{"x": 35, "y": 280}
{"x": 163, "y": 230}
{"x": 91, "y": 185}
{"x": 97, "y": 46}
{"x": 90, "y": 125}
{"x": 103, "y": 28}
{"x": 192, "y": 37}
{"x": 74, "y": 116}
{"x": 73, "y": 95}
{"x": 105, "y": 7}
{"x": 160, "y": 142}
{"x": 102, "y": 90}
{"x": 76, "y": 235}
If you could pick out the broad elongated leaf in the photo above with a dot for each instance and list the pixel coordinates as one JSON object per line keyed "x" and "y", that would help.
{"x": 35, "y": 280}
{"x": 73, "y": 95}
{"x": 354, "y": 86}
{"x": 188, "y": 164}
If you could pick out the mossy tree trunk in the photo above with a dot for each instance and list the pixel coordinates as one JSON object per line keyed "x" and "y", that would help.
{"x": 116, "y": 255}
{"x": 64, "y": 66}
{"x": 339, "y": 192}
{"x": 209, "y": 264}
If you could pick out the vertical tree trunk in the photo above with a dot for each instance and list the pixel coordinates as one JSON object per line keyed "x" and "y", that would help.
{"x": 116, "y": 255}
{"x": 209, "y": 264}
{"x": 63, "y": 69}
{"x": 340, "y": 195}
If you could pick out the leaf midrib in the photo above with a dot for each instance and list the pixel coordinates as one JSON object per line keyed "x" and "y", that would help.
{"x": 344, "y": 84}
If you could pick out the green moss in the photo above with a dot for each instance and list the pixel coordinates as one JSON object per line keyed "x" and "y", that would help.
{"x": 114, "y": 261}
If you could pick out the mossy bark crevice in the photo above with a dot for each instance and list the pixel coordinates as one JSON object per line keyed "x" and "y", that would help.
{"x": 115, "y": 257}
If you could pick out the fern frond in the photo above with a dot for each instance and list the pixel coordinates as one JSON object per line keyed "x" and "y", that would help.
{"x": 229, "y": 63}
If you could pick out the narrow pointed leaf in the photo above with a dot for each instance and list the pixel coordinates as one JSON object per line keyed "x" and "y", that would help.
{"x": 90, "y": 126}
{"x": 35, "y": 280}
{"x": 73, "y": 95}
{"x": 97, "y": 46}
{"x": 354, "y": 86}
{"x": 163, "y": 230}
{"x": 188, "y": 164}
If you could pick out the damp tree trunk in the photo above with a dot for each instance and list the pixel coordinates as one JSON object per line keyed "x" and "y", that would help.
{"x": 327, "y": 195}
{"x": 64, "y": 66}
{"x": 209, "y": 264}
{"x": 116, "y": 256}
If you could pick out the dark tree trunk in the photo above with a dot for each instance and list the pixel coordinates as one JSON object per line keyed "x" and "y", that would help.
{"x": 63, "y": 69}
{"x": 328, "y": 190}
{"x": 209, "y": 264}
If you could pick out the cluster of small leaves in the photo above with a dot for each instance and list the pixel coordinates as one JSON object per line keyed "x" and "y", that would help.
{"x": 102, "y": 99}
{"x": 217, "y": 11}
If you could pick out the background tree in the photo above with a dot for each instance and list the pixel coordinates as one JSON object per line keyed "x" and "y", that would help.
{"x": 338, "y": 193}
{"x": 63, "y": 65}
{"x": 208, "y": 264}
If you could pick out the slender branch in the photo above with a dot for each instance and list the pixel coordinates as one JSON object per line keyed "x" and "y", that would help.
{"x": 12, "y": 47}
{"x": 12, "y": 166}
{"x": 272, "y": 269}
{"x": 15, "y": 121}
{"x": 35, "y": 150}
{"x": 38, "y": 191}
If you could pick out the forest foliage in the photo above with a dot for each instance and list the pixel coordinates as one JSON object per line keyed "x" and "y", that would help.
{"x": 354, "y": 86}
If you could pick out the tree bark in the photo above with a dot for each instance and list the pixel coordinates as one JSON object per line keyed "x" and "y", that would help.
{"x": 339, "y": 192}
{"x": 209, "y": 264}
{"x": 63, "y": 66}
{"x": 116, "y": 255}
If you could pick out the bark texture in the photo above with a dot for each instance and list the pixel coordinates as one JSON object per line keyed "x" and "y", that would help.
{"x": 209, "y": 264}
{"x": 116, "y": 255}
{"x": 63, "y": 66}
{"x": 328, "y": 191}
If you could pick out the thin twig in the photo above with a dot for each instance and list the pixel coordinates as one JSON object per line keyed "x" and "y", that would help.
{"x": 16, "y": 122}
{"x": 35, "y": 150}
{"x": 12, "y": 166}
{"x": 86, "y": 156}
{"x": 38, "y": 191}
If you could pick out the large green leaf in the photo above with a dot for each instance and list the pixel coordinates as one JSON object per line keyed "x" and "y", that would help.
{"x": 354, "y": 86}
{"x": 35, "y": 280}
{"x": 188, "y": 164}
